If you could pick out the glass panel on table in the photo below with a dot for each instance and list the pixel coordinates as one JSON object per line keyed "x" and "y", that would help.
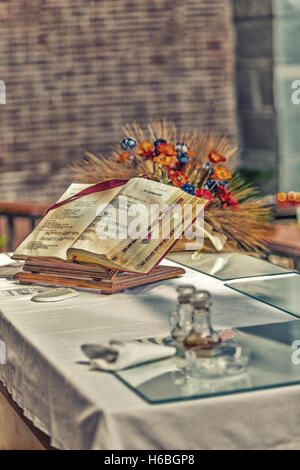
{"x": 226, "y": 266}
{"x": 273, "y": 362}
{"x": 280, "y": 292}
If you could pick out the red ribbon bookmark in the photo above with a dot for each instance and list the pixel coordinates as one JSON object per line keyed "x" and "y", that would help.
{"x": 96, "y": 188}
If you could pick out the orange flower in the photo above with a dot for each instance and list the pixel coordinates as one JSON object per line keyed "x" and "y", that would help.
{"x": 221, "y": 173}
{"x": 123, "y": 157}
{"x": 167, "y": 149}
{"x": 145, "y": 149}
{"x": 178, "y": 178}
{"x": 191, "y": 153}
{"x": 163, "y": 159}
{"x": 215, "y": 157}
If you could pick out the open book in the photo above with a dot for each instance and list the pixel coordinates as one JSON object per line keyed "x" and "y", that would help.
{"x": 130, "y": 227}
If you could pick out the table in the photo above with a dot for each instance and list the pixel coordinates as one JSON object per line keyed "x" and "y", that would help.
{"x": 48, "y": 377}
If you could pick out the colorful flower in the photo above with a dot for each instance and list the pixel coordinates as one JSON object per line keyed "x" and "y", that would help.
{"x": 205, "y": 194}
{"x": 167, "y": 149}
{"x": 221, "y": 173}
{"x": 145, "y": 149}
{"x": 223, "y": 183}
{"x": 183, "y": 158}
{"x": 191, "y": 153}
{"x": 210, "y": 184}
{"x": 176, "y": 166}
{"x": 178, "y": 178}
{"x": 159, "y": 141}
{"x": 215, "y": 157}
{"x": 181, "y": 147}
{"x": 128, "y": 144}
{"x": 226, "y": 198}
{"x": 222, "y": 192}
{"x": 232, "y": 202}
{"x": 123, "y": 157}
{"x": 188, "y": 188}
{"x": 163, "y": 159}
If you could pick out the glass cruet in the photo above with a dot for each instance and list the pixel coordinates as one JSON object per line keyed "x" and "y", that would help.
{"x": 202, "y": 338}
{"x": 181, "y": 319}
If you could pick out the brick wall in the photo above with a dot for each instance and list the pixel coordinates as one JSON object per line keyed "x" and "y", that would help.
{"x": 77, "y": 70}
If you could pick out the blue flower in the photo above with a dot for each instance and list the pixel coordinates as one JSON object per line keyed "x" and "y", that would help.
{"x": 128, "y": 144}
{"x": 188, "y": 188}
{"x": 180, "y": 147}
{"x": 183, "y": 158}
{"x": 159, "y": 141}
{"x": 210, "y": 184}
{"x": 223, "y": 183}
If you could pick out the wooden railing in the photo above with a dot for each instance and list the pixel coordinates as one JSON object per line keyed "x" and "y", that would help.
{"x": 18, "y": 219}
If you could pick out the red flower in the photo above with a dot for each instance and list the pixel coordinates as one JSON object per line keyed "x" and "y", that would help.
{"x": 205, "y": 194}
{"x": 175, "y": 166}
{"x": 226, "y": 198}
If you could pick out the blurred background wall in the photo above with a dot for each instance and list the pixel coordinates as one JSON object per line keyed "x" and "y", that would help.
{"x": 257, "y": 115}
{"x": 77, "y": 70}
{"x": 267, "y": 64}
{"x": 286, "y": 42}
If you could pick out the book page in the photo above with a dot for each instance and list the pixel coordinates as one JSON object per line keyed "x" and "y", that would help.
{"x": 56, "y": 232}
{"x": 110, "y": 236}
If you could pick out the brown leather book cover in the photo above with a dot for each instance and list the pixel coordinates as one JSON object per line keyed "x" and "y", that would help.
{"x": 106, "y": 285}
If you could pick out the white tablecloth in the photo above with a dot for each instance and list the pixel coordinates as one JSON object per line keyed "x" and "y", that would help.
{"x": 47, "y": 375}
